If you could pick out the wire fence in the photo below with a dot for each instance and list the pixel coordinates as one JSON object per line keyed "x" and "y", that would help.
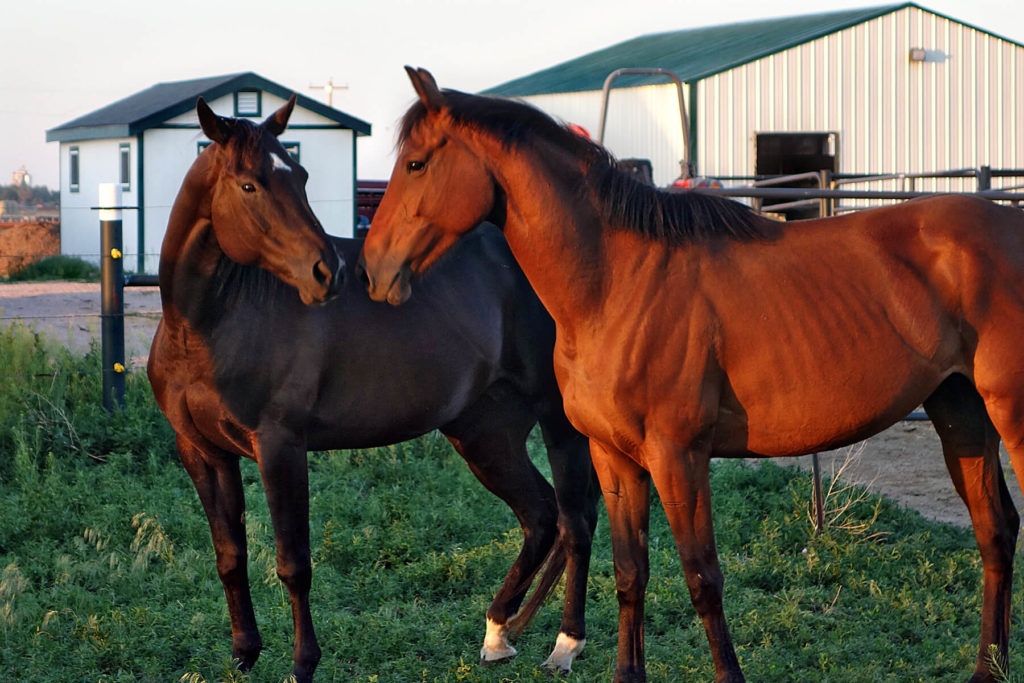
{"x": 81, "y": 330}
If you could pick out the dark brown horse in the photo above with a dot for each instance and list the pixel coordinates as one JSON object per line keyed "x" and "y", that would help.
{"x": 688, "y": 327}
{"x": 241, "y": 367}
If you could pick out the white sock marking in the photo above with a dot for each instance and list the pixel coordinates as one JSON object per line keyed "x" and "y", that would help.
{"x": 496, "y": 643}
{"x": 566, "y": 650}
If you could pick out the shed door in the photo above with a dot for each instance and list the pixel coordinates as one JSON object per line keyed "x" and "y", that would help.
{"x": 794, "y": 153}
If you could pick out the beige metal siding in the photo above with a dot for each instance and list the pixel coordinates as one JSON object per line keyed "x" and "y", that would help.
{"x": 642, "y": 123}
{"x": 961, "y": 108}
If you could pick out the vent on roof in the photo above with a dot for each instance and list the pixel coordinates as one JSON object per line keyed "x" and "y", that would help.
{"x": 247, "y": 103}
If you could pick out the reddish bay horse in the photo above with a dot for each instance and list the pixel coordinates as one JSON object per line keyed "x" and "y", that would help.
{"x": 688, "y": 327}
{"x": 241, "y": 368}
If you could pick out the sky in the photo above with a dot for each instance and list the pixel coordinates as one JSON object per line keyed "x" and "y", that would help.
{"x": 66, "y": 58}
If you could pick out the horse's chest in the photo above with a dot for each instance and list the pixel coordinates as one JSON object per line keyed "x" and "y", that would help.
{"x": 599, "y": 397}
{"x": 639, "y": 375}
{"x": 189, "y": 395}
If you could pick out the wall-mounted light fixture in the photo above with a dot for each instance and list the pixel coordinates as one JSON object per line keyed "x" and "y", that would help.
{"x": 917, "y": 54}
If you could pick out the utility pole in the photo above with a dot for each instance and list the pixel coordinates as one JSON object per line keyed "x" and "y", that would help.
{"x": 329, "y": 88}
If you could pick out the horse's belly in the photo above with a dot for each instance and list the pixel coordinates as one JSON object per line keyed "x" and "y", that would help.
{"x": 812, "y": 384}
{"x": 827, "y": 404}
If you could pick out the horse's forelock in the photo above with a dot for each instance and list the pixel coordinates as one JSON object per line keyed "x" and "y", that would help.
{"x": 247, "y": 145}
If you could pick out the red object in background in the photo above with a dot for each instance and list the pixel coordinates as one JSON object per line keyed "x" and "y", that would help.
{"x": 697, "y": 183}
{"x": 579, "y": 130}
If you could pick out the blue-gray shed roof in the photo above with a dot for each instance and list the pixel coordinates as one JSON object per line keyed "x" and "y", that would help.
{"x": 154, "y": 106}
{"x": 692, "y": 54}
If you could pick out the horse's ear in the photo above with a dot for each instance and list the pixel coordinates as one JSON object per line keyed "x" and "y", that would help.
{"x": 278, "y": 121}
{"x": 217, "y": 128}
{"x": 426, "y": 87}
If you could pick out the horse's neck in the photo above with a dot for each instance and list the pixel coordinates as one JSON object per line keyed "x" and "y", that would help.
{"x": 189, "y": 254}
{"x": 554, "y": 234}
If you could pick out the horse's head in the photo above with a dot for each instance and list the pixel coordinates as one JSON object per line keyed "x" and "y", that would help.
{"x": 439, "y": 190}
{"x": 258, "y": 206}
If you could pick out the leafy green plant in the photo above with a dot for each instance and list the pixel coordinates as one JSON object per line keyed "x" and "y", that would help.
{"x": 57, "y": 268}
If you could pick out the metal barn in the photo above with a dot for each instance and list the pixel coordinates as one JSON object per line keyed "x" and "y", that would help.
{"x": 896, "y": 89}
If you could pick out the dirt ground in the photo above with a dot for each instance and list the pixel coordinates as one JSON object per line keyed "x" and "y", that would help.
{"x": 23, "y": 243}
{"x": 904, "y": 462}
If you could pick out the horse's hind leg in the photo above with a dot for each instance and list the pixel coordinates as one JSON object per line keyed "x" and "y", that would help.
{"x": 970, "y": 445}
{"x": 491, "y": 437}
{"x": 577, "y": 490}
{"x": 218, "y": 482}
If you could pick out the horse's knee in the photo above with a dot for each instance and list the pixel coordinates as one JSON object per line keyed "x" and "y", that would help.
{"x": 296, "y": 573}
{"x": 997, "y": 533}
{"x": 997, "y": 545}
{"x": 630, "y": 584}
{"x": 231, "y": 565}
{"x": 705, "y": 589}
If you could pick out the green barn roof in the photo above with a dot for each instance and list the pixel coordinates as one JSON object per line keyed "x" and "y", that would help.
{"x": 692, "y": 54}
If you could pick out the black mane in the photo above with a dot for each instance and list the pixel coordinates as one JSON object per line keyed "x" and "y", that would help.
{"x": 674, "y": 218}
{"x": 233, "y": 284}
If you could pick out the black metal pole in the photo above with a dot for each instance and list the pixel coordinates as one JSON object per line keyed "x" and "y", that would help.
{"x": 112, "y": 299}
{"x": 819, "y": 501}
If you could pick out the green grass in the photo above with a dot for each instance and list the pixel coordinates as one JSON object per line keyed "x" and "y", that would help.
{"x": 107, "y": 571}
{"x": 57, "y": 268}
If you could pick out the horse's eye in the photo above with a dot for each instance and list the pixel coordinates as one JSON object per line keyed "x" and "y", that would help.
{"x": 248, "y": 187}
{"x": 414, "y": 166}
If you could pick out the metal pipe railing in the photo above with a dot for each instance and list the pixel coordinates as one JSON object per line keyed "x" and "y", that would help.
{"x": 686, "y": 165}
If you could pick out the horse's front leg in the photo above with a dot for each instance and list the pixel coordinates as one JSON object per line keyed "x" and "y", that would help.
{"x": 218, "y": 482}
{"x": 282, "y": 462}
{"x": 626, "y": 488}
{"x": 685, "y": 489}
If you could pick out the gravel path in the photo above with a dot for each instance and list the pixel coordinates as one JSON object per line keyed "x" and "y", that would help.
{"x": 70, "y": 313}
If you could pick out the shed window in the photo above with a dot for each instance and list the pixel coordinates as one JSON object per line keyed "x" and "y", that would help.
{"x": 126, "y": 166}
{"x": 247, "y": 103}
{"x": 73, "y": 169}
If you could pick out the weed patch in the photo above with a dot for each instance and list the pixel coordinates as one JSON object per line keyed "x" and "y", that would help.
{"x": 57, "y": 268}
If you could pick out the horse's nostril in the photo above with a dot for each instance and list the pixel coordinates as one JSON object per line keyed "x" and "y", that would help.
{"x": 322, "y": 274}
{"x": 361, "y": 273}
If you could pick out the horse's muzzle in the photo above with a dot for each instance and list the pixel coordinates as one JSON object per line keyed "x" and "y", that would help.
{"x": 395, "y": 290}
{"x": 329, "y": 276}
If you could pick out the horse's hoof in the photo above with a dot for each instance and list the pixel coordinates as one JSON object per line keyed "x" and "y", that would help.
{"x": 496, "y": 656}
{"x": 496, "y": 647}
{"x": 566, "y": 650}
{"x": 484, "y": 662}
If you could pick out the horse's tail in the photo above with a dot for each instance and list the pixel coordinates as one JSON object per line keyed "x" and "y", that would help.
{"x": 554, "y": 567}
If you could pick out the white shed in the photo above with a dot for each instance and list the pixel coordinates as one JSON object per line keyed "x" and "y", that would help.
{"x": 147, "y": 141}
{"x": 891, "y": 89}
